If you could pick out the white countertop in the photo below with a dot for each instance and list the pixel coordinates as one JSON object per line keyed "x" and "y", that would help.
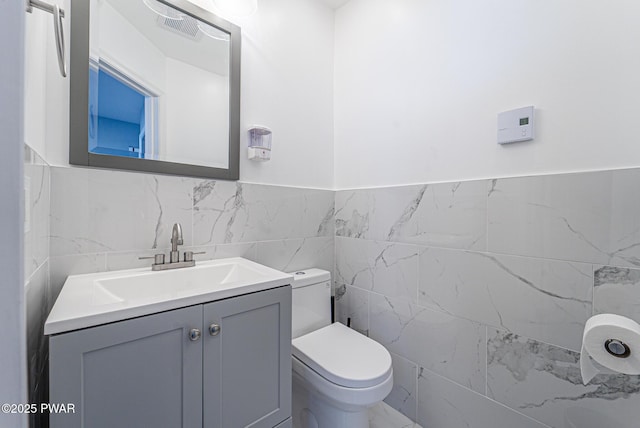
{"x": 100, "y": 298}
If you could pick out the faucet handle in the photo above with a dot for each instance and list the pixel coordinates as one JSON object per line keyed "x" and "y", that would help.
{"x": 188, "y": 255}
{"x": 158, "y": 259}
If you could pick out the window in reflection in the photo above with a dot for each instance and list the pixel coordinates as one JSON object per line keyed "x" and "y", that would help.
{"x": 122, "y": 119}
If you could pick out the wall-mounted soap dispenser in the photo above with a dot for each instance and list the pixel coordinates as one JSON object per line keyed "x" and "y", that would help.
{"x": 259, "y": 143}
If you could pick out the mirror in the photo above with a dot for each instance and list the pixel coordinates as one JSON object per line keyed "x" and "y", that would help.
{"x": 155, "y": 87}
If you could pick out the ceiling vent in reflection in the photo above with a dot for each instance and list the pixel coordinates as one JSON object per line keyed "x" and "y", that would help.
{"x": 187, "y": 26}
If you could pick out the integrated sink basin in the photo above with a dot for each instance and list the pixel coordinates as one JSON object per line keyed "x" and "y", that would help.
{"x": 177, "y": 283}
{"x": 100, "y": 298}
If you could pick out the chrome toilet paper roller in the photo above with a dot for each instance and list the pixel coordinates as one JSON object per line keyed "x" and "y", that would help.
{"x": 613, "y": 341}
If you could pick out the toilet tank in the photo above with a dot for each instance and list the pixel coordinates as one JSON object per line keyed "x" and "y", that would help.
{"x": 311, "y": 301}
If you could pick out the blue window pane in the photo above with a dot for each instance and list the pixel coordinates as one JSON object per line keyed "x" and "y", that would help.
{"x": 116, "y": 117}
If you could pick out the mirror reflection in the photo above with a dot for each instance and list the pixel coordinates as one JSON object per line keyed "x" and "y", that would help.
{"x": 159, "y": 84}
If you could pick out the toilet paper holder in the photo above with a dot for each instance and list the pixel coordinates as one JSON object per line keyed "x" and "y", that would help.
{"x": 617, "y": 348}
{"x": 613, "y": 342}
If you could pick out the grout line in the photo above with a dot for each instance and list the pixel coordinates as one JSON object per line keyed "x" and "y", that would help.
{"x": 593, "y": 289}
{"x": 417, "y": 390}
{"x": 368, "y": 313}
{"x": 33, "y": 274}
{"x": 193, "y": 209}
{"x": 49, "y": 219}
{"x": 486, "y": 361}
{"x": 418, "y": 254}
{"x": 497, "y": 253}
{"x": 48, "y": 296}
{"x": 486, "y": 212}
{"x": 333, "y": 272}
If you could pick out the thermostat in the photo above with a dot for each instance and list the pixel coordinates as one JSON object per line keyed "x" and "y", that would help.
{"x": 516, "y": 125}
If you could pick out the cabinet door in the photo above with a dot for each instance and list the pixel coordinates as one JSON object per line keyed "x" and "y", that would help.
{"x": 144, "y": 372}
{"x": 247, "y": 365}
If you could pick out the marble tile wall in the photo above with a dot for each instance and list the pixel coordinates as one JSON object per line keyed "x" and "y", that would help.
{"x": 36, "y": 273}
{"x": 480, "y": 291}
{"x": 104, "y": 220}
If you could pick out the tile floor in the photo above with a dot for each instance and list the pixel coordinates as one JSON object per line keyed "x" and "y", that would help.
{"x": 384, "y": 416}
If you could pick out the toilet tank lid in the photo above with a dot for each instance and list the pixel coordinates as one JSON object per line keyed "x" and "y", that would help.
{"x": 302, "y": 278}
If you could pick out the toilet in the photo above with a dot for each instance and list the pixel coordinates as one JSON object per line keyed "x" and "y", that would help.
{"x": 338, "y": 373}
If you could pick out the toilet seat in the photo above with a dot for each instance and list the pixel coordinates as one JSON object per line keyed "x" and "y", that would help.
{"x": 343, "y": 356}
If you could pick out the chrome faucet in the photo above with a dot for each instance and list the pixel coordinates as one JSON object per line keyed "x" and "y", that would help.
{"x": 176, "y": 239}
{"x": 174, "y": 255}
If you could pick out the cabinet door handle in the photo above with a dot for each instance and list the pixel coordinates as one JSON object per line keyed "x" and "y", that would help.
{"x": 214, "y": 329}
{"x": 194, "y": 334}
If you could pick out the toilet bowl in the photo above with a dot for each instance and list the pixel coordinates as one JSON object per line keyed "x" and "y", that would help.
{"x": 338, "y": 373}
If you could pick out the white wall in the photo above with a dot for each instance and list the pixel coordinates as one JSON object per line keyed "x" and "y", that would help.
{"x": 418, "y": 85}
{"x": 13, "y": 372}
{"x": 287, "y": 84}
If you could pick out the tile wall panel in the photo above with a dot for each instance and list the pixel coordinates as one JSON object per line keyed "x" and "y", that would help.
{"x": 508, "y": 271}
{"x": 444, "y": 404}
{"x": 586, "y": 217}
{"x": 37, "y": 294}
{"x": 543, "y": 381}
{"x": 549, "y": 300}
{"x": 383, "y": 267}
{"x": 106, "y": 220}
{"x": 617, "y": 290}
{"x": 451, "y": 215}
{"x": 479, "y": 289}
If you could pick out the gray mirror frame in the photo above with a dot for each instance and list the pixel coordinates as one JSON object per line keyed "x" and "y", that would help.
{"x": 79, "y": 101}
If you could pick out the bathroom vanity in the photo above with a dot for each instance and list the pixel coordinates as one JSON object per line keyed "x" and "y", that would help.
{"x": 206, "y": 346}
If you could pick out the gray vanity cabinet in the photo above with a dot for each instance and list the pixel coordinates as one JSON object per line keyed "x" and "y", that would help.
{"x": 153, "y": 371}
{"x": 136, "y": 373}
{"x": 247, "y": 367}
